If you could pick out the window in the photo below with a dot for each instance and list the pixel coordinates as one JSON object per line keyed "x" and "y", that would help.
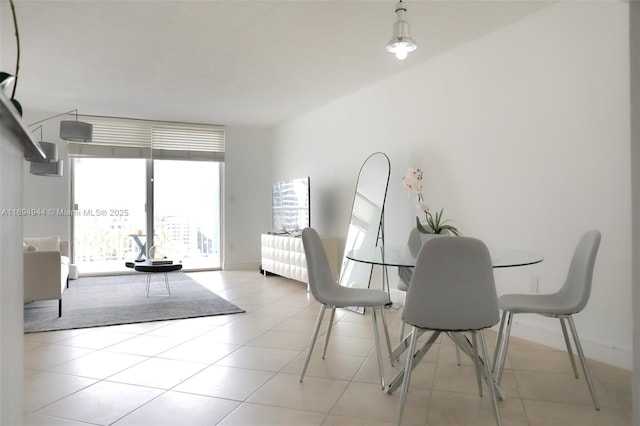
{"x": 141, "y": 183}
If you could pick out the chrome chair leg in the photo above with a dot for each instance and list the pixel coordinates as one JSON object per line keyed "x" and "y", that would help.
{"x": 376, "y": 338}
{"x": 476, "y": 360}
{"x": 386, "y": 335}
{"x": 407, "y": 373}
{"x": 503, "y": 348}
{"x": 490, "y": 382}
{"x": 583, "y": 361}
{"x": 326, "y": 338}
{"x": 313, "y": 341}
{"x": 404, "y": 301}
{"x": 498, "y": 341}
{"x": 401, "y": 331}
{"x": 568, "y": 345}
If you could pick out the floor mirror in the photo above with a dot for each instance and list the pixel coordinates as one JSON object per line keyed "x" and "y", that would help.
{"x": 366, "y": 221}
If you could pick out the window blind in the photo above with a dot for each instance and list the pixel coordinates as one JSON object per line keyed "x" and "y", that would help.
{"x": 131, "y": 138}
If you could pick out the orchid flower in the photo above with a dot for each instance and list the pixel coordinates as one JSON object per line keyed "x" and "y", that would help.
{"x": 435, "y": 224}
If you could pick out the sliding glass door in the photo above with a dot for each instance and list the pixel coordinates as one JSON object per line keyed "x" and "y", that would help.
{"x": 186, "y": 211}
{"x": 108, "y": 216}
{"x": 110, "y": 219}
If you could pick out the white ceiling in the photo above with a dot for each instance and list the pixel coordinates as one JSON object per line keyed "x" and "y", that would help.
{"x": 243, "y": 63}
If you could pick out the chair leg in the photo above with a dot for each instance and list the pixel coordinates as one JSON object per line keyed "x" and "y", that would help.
{"x": 386, "y": 335}
{"x": 568, "y": 345}
{"x": 376, "y": 338}
{"x": 59, "y": 307}
{"x": 404, "y": 302}
{"x": 498, "y": 341}
{"x": 458, "y": 355}
{"x": 313, "y": 341}
{"x": 476, "y": 360}
{"x": 407, "y": 373}
{"x": 583, "y": 361}
{"x": 401, "y": 331}
{"x": 503, "y": 348}
{"x": 326, "y": 338}
{"x": 490, "y": 382}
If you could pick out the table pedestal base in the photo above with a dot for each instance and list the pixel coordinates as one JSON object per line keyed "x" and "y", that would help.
{"x": 460, "y": 339}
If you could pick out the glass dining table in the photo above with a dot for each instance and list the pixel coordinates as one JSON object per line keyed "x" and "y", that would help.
{"x": 402, "y": 256}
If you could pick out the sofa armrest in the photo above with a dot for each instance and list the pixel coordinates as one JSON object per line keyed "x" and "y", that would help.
{"x": 64, "y": 248}
{"x": 42, "y": 275}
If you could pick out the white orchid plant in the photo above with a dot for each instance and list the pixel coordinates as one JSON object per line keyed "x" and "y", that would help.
{"x": 435, "y": 223}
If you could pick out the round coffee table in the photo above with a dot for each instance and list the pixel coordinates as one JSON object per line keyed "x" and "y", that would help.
{"x": 152, "y": 267}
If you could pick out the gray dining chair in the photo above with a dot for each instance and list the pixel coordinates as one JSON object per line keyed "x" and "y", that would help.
{"x": 405, "y": 272}
{"x": 415, "y": 242}
{"x": 452, "y": 290}
{"x": 570, "y": 299}
{"x": 331, "y": 294}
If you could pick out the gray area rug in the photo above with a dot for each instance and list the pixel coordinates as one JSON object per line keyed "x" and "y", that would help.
{"x": 122, "y": 299}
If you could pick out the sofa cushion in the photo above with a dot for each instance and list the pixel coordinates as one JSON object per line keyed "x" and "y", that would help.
{"x": 44, "y": 243}
{"x": 64, "y": 260}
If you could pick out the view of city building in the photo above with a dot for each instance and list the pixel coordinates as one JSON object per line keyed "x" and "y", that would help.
{"x": 109, "y": 228}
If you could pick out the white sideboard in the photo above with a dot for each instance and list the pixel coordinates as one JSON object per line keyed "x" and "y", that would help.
{"x": 284, "y": 255}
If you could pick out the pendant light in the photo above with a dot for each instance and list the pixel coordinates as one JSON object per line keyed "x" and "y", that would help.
{"x": 401, "y": 43}
{"x": 76, "y": 131}
{"x": 72, "y": 130}
{"x": 50, "y": 165}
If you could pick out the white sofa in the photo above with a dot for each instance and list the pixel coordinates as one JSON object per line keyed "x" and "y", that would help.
{"x": 46, "y": 269}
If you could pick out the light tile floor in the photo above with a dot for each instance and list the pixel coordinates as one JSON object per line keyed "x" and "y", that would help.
{"x": 244, "y": 370}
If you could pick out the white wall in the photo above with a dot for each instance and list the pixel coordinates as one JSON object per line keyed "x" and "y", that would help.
{"x": 524, "y": 138}
{"x": 11, "y": 292}
{"x": 247, "y": 195}
{"x": 634, "y": 37}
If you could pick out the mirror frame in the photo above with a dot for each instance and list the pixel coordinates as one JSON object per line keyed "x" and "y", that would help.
{"x": 358, "y": 274}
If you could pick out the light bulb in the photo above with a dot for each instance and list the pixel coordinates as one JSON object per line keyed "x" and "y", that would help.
{"x": 401, "y": 42}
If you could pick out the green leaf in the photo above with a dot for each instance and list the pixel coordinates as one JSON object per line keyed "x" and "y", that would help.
{"x": 452, "y": 229}
{"x": 422, "y": 228}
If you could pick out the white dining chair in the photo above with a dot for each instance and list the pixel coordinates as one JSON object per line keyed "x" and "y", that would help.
{"x": 570, "y": 299}
{"x": 330, "y": 294}
{"x": 452, "y": 290}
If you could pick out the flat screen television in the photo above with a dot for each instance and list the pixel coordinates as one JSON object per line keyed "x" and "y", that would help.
{"x": 291, "y": 211}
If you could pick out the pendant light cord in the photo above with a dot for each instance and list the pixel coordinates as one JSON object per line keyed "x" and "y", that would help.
{"x": 15, "y": 25}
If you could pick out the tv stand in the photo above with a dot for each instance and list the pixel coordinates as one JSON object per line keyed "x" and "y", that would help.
{"x": 283, "y": 255}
